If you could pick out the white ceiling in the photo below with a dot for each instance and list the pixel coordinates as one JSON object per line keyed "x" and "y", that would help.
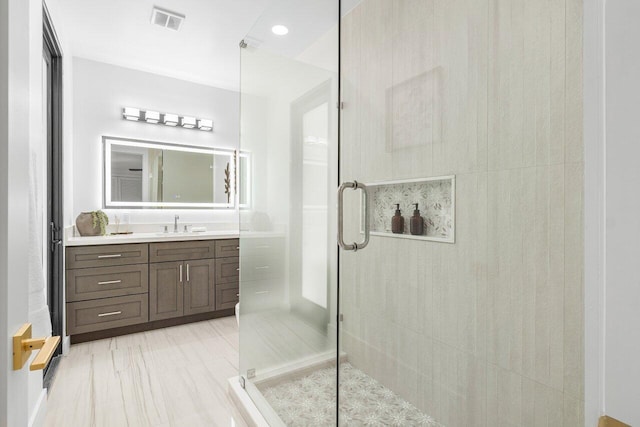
{"x": 205, "y": 50}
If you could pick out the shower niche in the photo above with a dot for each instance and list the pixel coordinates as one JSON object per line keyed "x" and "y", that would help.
{"x": 436, "y": 201}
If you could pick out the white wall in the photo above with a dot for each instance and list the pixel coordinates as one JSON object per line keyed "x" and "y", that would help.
{"x": 622, "y": 306}
{"x": 99, "y": 93}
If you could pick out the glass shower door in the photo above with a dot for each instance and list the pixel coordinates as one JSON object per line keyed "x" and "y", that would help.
{"x": 288, "y": 267}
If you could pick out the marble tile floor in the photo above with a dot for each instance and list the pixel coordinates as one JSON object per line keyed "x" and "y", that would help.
{"x": 168, "y": 377}
{"x": 277, "y": 337}
{"x": 310, "y": 401}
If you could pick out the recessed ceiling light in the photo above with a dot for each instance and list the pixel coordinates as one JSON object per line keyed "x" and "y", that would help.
{"x": 279, "y": 30}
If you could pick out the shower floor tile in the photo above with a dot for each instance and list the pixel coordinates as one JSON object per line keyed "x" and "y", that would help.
{"x": 310, "y": 400}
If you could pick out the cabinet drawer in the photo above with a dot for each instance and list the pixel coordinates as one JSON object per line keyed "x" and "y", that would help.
{"x": 181, "y": 251}
{"x": 106, "y": 255}
{"x": 226, "y": 296}
{"x": 263, "y": 246}
{"x": 227, "y": 248}
{"x": 102, "y": 282}
{"x": 227, "y": 270}
{"x": 261, "y": 268}
{"x": 262, "y": 295}
{"x": 107, "y": 313}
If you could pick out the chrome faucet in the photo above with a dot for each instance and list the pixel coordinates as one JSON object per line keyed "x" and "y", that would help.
{"x": 175, "y": 223}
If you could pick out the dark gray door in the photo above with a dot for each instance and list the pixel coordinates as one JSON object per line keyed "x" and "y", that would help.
{"x": 52, "y": 90}
{"x": 166, "y": 284}
{"x": 199, "y": 291}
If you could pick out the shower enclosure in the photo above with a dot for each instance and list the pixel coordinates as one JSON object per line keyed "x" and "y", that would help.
{"x": 470, "y": 109}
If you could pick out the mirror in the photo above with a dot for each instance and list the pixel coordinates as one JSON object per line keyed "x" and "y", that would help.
{"x": 143, "y": 174}
{"x": 244, "y": 180}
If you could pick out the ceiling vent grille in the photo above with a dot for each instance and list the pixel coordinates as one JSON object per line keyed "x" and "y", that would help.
{"x": 167, "y": 19}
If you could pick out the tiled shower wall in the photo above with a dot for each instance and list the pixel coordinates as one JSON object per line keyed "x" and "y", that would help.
{"x": 487, "y": 331}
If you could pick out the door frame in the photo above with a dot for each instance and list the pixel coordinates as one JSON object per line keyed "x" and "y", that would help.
{"x": 55, "y": 281}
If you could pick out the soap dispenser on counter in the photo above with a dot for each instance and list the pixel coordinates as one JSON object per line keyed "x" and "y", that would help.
{"x": 397, "y": 222}
{"x": 416, "y": 224}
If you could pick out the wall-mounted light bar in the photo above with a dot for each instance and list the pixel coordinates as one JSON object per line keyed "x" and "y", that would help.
{"x": 167, "y": 119}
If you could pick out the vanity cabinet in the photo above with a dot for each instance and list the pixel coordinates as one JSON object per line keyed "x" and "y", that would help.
{"x": 227, "y": 274}
{"x": 122, "y": 288}
{"x": 106, "y": 287}
{"x": 263, "y": 272}
{"x": 181, "y": 288}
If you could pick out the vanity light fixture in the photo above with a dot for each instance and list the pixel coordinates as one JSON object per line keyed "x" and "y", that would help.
{"x": 205, "y": 124}
{"x": 188, "y": 122}
{"x": 167, "y": 119}
{"x": 152, "y": 116}
{"x": 130, "y": 113}
{"x": 170, "y": 119}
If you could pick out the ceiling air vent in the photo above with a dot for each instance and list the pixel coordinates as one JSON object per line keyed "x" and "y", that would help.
{"x": 167, "y": 19}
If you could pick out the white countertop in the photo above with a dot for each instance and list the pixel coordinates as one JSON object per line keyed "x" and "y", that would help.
{"x": 150, "y": 237}
{"x": 167, "y": 237}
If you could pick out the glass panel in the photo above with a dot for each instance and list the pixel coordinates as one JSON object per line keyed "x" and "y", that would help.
{"x": 288, "y": 289}
{"x": 461, "y": 107}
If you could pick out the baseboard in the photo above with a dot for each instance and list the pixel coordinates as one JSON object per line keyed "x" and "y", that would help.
{"x": 606, "y": 421}
{"x": 40, "y": 411}
{"x": 148, "y": 326}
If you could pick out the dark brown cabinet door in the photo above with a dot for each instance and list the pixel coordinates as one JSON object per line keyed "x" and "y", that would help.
{"x": 166, "y": 284}
{"x": 227, "y": 270}
{"x": 227, "y": 296}
{"x": 199, "y": 293}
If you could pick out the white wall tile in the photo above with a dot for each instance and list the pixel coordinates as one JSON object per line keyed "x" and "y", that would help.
{"x": 490, "y": 326}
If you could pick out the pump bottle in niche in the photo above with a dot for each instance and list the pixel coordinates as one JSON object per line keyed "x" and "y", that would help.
{"x": 397, "y": 222}
{"x": 416, "y": 224}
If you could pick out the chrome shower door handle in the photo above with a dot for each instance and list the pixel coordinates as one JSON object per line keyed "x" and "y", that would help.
{"x": 355, "y": 185}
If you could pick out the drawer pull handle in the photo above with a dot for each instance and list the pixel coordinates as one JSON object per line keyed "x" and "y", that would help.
{"x": 261, "y": 292}
{"x": 238, "y": 269}
{"x": 264, "y": 267}
{"x": 237, "y": 248}
{"x": 112, "y": 313}
{"x": 238, "y": 295}
{"x": 110, "y": 256}
{"x": 110, "y": 282}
